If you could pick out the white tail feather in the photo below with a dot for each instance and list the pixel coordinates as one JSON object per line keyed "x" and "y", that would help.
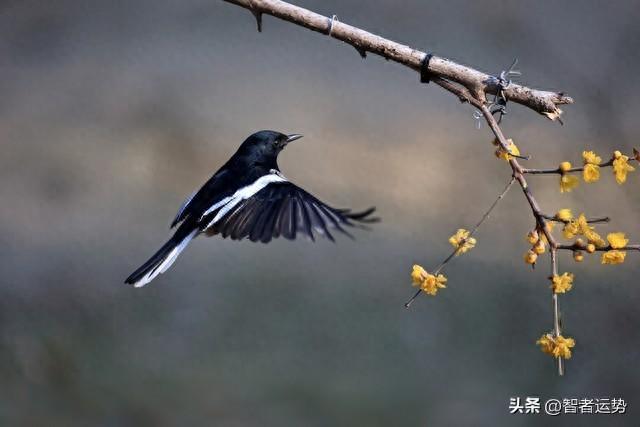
{"x": 167, "y": 262}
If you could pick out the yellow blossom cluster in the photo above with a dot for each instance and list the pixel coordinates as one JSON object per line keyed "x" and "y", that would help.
{"x": 431, "y": 283}
{"x": 580, "y": 227}
{"x": 591, "y": 169}
{"x": 576, "y": 228}
{"x": 562, "y": 284}
{"x": 462, "y": 241}
{"x": 428, "y": 283}
{"x": 557, "y": 346}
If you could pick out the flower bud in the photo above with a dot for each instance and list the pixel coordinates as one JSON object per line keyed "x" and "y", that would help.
{"x": 565, "y": 166}
{"x": 539, "y": 247}
{"x": 564, "y": 215}
{"x": 578, "y": 256}
{"x": 530, "y": 257}
{"x": 591, "y": 248}
{"x": 533, "y": 237}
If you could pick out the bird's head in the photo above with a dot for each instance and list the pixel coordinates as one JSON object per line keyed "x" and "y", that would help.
{"x": 264, "y": 146}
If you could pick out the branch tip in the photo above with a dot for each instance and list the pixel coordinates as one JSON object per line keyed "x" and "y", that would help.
{"x": 258, "y": 16}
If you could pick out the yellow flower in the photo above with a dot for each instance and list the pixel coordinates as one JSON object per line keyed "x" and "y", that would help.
{"x": 570, "y": 230}
{"x": 428, "y": 283}
{"x": 564, "y": 215}
{"x": 511, "y": 146}
{"x": 546, "y": 344}
{"x": 557, "y": 347}
{"x": 418, "y": 275}
{"x": 617, "y": 240}
{"x": 594, "y": 238}
{"x": 530, "y": 257}
{"x": 591, "y": 171}
{"x": 432, "y": 284}
{"x": 591, "y": 158}
{"x": 613, "y": 257}
{"x": 581, "y": 227}
{"x": 583, "y": 224}
{"x": 568, "y": 183}
{"x": 562, "y": 284}
{"x": 563, "y": 347}
{"x": 461, "y": 241}
{"x": 621, "y": 167}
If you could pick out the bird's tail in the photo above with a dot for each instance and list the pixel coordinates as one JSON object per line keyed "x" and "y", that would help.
{"x": 161, "y": 260}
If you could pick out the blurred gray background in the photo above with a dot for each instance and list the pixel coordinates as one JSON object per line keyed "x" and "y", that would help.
{"x": 112, "y": 112}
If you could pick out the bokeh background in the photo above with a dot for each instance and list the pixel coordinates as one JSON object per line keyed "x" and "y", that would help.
{"x": 112, "y": 112}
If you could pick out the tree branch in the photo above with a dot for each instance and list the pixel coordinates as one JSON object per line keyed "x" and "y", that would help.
{"x": 557, "y": 170}
{"x": 467, "y": 84}
{"x": 575, "y": 247}
{"x": 541, "y": 223}
{"x": 589, "y": 220}
{"x": 477, "y": 83}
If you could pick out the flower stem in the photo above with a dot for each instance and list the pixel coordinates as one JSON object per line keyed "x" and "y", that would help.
{"x": 471, "y": 233}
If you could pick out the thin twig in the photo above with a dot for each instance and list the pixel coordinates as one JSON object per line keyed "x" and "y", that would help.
{"x": 493, "y": 205}
{"x": 575, "y": 247}
{"x": 471, "y": 233}
{"x": 589, "y": 220}
{"x": 576, "y": 169}
{"x": 556, "y": 307}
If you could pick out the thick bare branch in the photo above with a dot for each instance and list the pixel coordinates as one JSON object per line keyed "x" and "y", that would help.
{"x": 477, "y": 83}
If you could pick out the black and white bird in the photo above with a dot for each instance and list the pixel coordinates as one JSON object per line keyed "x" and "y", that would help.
{"x": 249, "y": 197}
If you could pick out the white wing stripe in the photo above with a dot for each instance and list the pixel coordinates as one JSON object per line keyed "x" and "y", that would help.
{"x": 243, "y": 193}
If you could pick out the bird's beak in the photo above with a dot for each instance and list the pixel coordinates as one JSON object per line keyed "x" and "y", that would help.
{"x": 293, "y": 137}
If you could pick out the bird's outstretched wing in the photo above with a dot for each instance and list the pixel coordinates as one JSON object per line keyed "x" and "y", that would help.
{"x": 281, "y": 209}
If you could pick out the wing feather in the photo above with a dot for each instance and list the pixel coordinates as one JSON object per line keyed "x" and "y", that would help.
{"x": 282, "y": 209}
